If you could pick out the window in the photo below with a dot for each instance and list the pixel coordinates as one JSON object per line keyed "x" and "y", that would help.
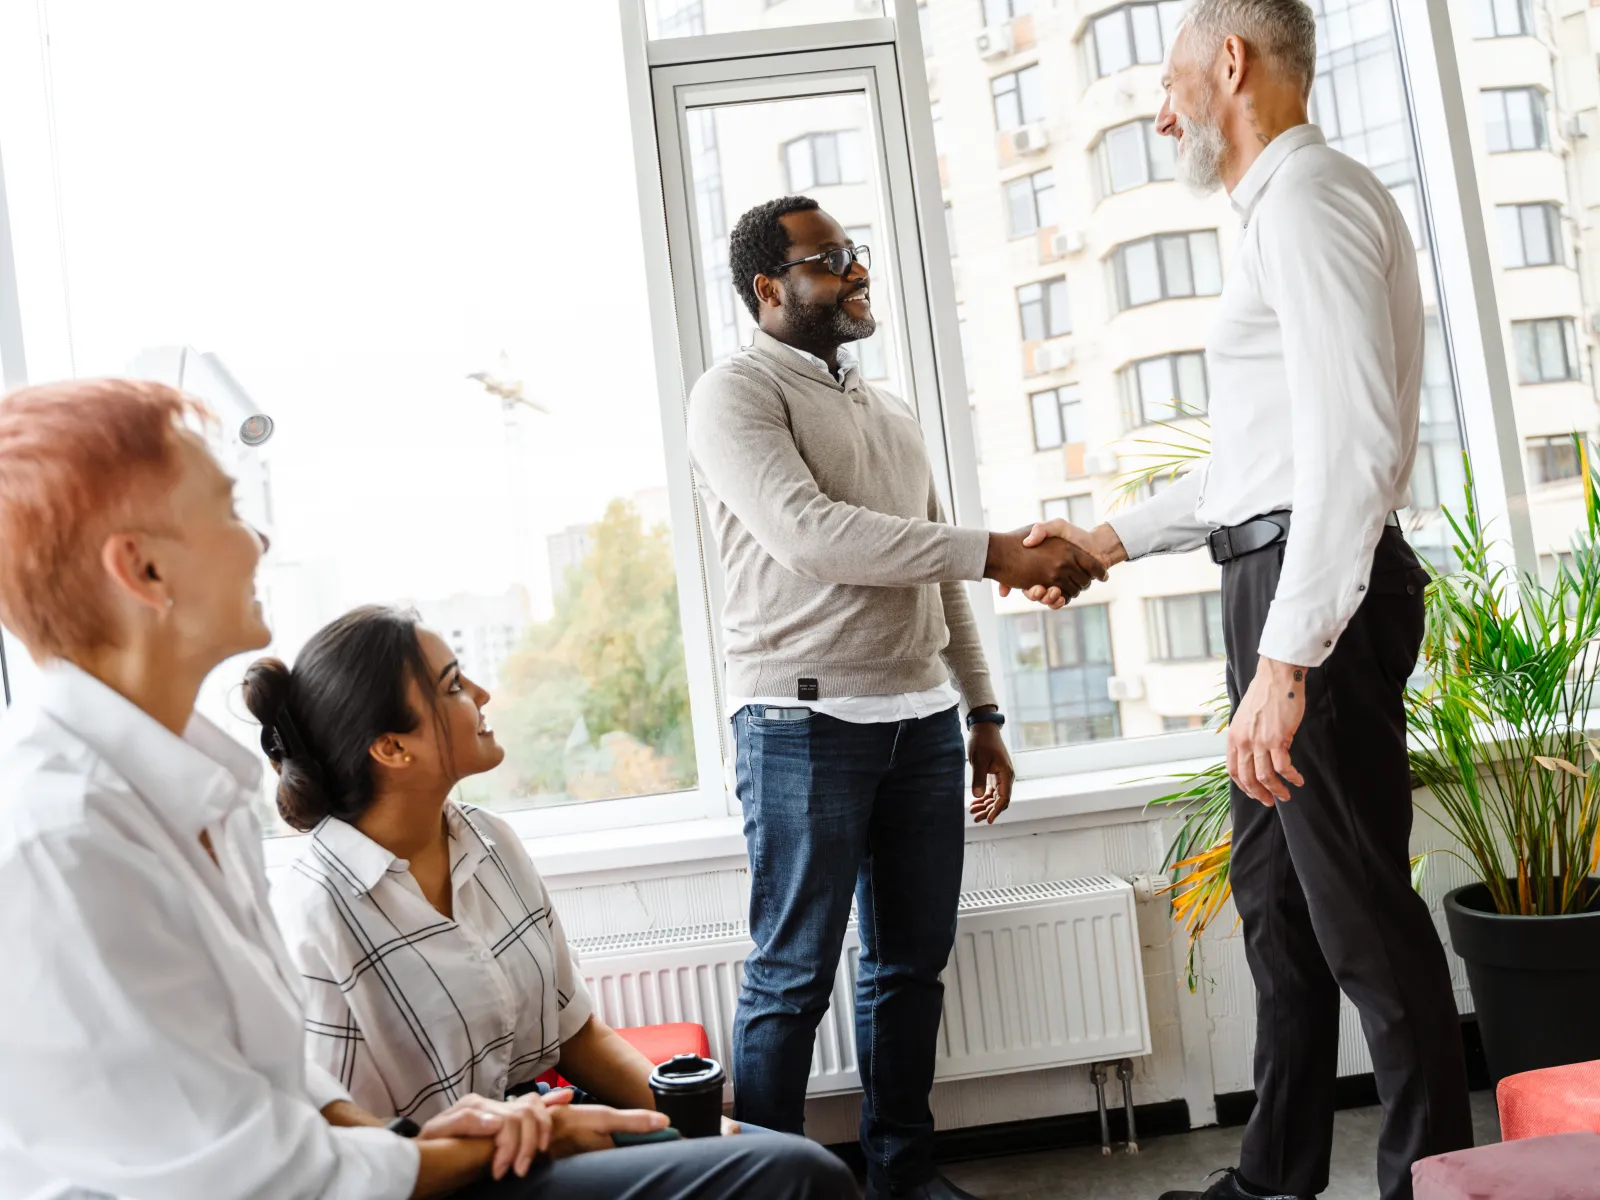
{"x": 1547, "y": 350}
{"x": 377, "y": 343}
{"x": 1530, "y": 234}
{"x": 825, "y": 160}
{"x": 1031, "y": 203}
{"x": 1078, "y": 510}
{"x": 1043, "y": 308}
{"x": 1515, "y": 119}
{"x": 926, "y": 28}
{"x": 1132, "y": 155}
{"x": 1502, "y": 18}
{"x": 1185, "y": 628}
{"x": 1167, "y": 267}
{"x": 1133, "y": 34}
{"x": 1164, "y": 388}
{"x": 1002, "y": 12}
{"x": 1552, "y": 459}
{"x": 678, "y": 18}
{"x": 1058, "y": 418}
{"x": 727, "y": 16}
{"x": 1018, "y": 98}
{"x": 1057, "y": 664}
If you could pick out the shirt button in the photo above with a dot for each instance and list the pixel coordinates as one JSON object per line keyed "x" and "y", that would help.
{"x": 1327, "y": 644}
{"x": 1362, "y": 588}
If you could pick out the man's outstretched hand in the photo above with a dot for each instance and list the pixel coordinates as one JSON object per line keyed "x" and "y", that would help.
{"x": 1048, "y": 563}
{"x": 1100, "y": 544}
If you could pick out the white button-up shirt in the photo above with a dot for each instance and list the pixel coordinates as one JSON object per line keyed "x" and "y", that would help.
{"x": 411, "y": 1009}
{"x": 151, "y": 1029}
{"x": 1315, "y": 362}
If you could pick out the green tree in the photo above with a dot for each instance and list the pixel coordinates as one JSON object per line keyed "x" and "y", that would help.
{"x": 596, "y": 700}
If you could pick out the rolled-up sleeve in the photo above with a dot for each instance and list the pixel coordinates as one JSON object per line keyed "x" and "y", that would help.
{"x": 1349, "y": 449}
{"x": 123, "y": 1070}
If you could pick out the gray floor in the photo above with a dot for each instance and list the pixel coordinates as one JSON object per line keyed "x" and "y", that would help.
{"x": 1183, "y": 1160}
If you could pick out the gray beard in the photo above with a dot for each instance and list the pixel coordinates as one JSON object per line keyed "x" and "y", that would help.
{"x": 823, "y": 324}
{"x": 1201, "y": 152}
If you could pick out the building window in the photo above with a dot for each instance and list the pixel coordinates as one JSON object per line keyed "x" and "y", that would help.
{"x": 825, "y": 160}
{"x": 1164, "y": 388}
{"x": 1502, "y": 18}
{"x": 1552, "y": 459}
{"x": 1058, "y": 417}
{"x": 1132, "y": 34}
{"x": 926, "y": 29}
{"x": 1018, "y": 98}
{"x": 679, "y": 18}
{"x": 1132, "y": 155}
{"x": 1031, "y": 203}
{"x": 1184, "y": 628}
{"x": 1003, "y": 12}
{"x": 1547, "y": 351}
{"x": 1530, "y": 234}
{"x": 1515, "y": 119}
{"x": 1057, "y": 665}
{"x": 1076, "y": 510}
{"x": 1043, "y": 308}
{"x": 1166, "y": 267}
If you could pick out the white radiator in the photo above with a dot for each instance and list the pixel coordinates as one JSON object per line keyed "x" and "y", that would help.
{"x": 1043, "y": 975}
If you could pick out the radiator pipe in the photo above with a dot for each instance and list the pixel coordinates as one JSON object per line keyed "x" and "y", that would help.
{"x": 1125, "y": 1073}
{"x": 1097, "y": 1076}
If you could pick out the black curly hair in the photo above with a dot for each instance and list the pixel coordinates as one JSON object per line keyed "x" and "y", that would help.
{"x": 759, "y": 243}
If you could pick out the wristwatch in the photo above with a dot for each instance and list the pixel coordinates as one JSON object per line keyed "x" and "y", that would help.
{"x": 986, "y": 716}
{"x": 404, "y": 1127}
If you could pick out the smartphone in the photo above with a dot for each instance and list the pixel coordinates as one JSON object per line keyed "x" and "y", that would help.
{"x": 669, "y": 1134}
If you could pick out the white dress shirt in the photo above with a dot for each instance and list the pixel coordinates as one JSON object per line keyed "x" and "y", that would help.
{"x": 411, "y": 1009}
{"x": 861, "y": 710}
{"x": 1315, "y": 364}
{"x": 150, "y": 1019}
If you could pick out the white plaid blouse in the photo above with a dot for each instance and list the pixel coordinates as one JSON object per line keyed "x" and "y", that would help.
{"x": 410, "y": 1009}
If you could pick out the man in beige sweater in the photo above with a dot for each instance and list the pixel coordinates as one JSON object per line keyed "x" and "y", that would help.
{"x": 846, "y": 619}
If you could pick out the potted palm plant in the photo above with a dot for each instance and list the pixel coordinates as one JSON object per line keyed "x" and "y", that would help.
{"x": 1499, "y": 717}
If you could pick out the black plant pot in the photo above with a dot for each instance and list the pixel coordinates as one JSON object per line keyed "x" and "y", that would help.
{"x": 1535, "y": 982}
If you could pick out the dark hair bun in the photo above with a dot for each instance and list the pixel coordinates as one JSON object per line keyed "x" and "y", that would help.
{"x": 303, "y": 798}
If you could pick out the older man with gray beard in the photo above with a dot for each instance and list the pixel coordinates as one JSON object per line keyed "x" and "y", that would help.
{"x": 1315, "y": 361}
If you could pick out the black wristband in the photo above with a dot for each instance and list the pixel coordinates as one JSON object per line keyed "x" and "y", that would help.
{"x": 985, "y": 717}
{"x": 404, "y": 1127}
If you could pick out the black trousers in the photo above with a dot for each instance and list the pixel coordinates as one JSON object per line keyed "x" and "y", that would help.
{"x": 766, "y": 1166}
{"x": 1323, "y": 887}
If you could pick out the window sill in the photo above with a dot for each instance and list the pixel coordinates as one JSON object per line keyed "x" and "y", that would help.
{"x": 717, "y": 843}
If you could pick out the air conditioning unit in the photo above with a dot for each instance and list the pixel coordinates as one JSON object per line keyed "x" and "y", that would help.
{"x": 1030, "y": 139}
{"x": 1100, "y": 462}
{"x": 1052, "y": 356}
{"x": 1572, "y": 128}
{"x": 1125, "y": 687}
{"x": 994, "y": 42}
{"x": 1069, "y": 241}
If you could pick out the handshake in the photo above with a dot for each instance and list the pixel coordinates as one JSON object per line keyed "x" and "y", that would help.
{"x": 1053, "y": 561}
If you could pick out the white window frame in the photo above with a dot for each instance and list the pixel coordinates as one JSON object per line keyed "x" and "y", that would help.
{"x": 35, "y": 336}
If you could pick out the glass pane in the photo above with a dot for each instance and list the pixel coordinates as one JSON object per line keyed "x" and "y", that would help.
{"x": 1186, "y": 627}
{"x": 1526, "y": 342}
{"x": 310, "y": 244}
{"x": 1496, "y": 134}
{"x": 1146, "y": 33}
{"x": 1175, "y": 266}
{"x": 685, "y": 18}
{"x": 1046, "y": 420}
{"x": 1536, "y": 235}
{"x": 1060, "y": 313}
{"x": 1552, "y": 351}
{"x": 1163, "y": 152}
{"x": 1019, "y": 207}
{"x": 1155, "y": 387}
{"x": 748, "y": 137}
{"x": 1030, "y": 83}
{"x": 1125, "y": 151}
{"x": 1007, "y": 103}
{"x": 1521, "y": 129}
{"x": 1044, "y": 192}
{"x": 1112, "y": 47}
{"x": 1509, "y": 219}
{"x": 1074, "y": 424}
{"x": 1192, "y": 382}
{"x": 1142, "y": 272}
{"x": 1214, "y": 636}
{"x": 1207, "y": 264}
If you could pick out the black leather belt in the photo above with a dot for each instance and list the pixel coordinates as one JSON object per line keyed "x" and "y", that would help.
{"x": 1258, "y": 533}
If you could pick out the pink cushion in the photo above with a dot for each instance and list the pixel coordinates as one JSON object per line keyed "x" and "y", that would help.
{"x": 1554, "y": 1100}
{"x": 657, "y": 1043}
{"x": 1563, "y": 1167}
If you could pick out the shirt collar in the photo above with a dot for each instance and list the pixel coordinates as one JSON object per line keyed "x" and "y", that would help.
{"x": 192, "y": 782}
{"x": 1248, "y": 191}
{"x": 363, "y": 863}
{"x": 847, "y": 358}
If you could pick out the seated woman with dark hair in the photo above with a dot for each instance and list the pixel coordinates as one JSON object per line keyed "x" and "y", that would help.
{"x": 435, "y": 963}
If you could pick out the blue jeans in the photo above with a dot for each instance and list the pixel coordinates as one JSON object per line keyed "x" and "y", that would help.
{"x": 833, "y": 808}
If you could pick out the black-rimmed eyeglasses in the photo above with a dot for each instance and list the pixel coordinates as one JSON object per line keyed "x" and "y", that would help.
{"x": 837, "y": 261}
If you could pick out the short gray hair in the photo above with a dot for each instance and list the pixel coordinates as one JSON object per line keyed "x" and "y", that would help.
{"x": 1282, "y": 30}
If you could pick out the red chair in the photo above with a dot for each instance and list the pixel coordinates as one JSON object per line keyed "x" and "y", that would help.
{"x": 657, "y": 1043}
{"x": 1554, "y": 1100}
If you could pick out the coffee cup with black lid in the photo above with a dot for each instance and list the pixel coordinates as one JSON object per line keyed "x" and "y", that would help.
{"x": 688, "y": 1089}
